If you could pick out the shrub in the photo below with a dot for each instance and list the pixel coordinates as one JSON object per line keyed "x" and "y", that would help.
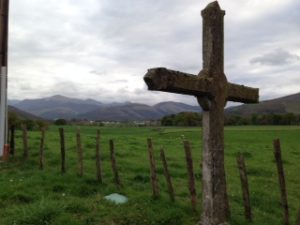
{"x": 60, "y": 122}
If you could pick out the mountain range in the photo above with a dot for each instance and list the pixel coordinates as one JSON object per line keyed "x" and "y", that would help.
{"x": 286, "y": 104}
{"x": 22, "y": 114}
{"x": 58, "y": 106}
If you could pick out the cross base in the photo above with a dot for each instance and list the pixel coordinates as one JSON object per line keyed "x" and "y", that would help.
{"x": 200, "y": 223}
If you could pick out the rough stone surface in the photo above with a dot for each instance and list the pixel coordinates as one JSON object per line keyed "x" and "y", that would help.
{"x": 214, "y": 202}
{"x": 166, "y": 80}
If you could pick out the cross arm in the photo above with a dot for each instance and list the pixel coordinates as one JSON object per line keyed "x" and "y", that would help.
{"x": 241, "y": 93}
{"x": 162, "y": 79}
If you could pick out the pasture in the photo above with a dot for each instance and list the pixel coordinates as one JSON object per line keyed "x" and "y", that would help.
{"x": 29, "y": 196}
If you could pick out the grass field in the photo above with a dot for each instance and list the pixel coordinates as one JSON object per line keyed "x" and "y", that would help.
{"x": 29, "y": 196}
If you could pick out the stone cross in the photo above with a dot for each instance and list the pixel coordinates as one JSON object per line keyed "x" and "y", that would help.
{"x": 212, "y": 91}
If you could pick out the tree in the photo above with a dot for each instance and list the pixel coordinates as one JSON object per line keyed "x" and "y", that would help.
{"x": 254, "y": 119}
{"x": 60, "y": 122}
{"x": 29, "y": 124}
{"x": 13, "y": 119}
{"x": 13, "y": 123}
{"x": 168, "y": 120}
{"x": 42, "y": 124}
{"x": 182, "y": 119}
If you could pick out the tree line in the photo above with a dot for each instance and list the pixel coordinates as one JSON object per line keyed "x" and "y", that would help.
{"x": 16, "y": 122}
{"x": 195, "y": 119}
{"x": 180, "y": 119}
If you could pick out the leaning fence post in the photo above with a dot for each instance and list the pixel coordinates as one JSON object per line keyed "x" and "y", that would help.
{"x": 25, "y": 142}
{"x": 42, "y": 148}
{"x": 191, "y": 175}
{"x": 79, "y": 153}
{"x": 154, "y": 181}
{"x": 167, "y": 175}
{"x": 62, "y": 149}
{"x": 98, "y": 158}
{"x": 281, "y": 178}
{"x": 298, "y": 218}
{"x": 12, "y": 140}
{"x": 5, "y": 156}
{"x": 245, "y": 187}
{"x": 114, "y": 163}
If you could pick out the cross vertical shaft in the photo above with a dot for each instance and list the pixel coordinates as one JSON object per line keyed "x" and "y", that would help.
{"x": 213, "y": 38}
{"x": 215, "y": 202}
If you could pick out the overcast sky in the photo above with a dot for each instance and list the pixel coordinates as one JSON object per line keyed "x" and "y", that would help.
{"x": 101, "y": 49}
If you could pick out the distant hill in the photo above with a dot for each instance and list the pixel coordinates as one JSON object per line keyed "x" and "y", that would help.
{"x": 57, "y": 106}
{"x": 12, "y": 102}
{"x": 138, "y": 112}
{"x": 68, "y": 108}
{"x": 287, "y": 104}
{"x": 63, "y": 107}
{"x": 23, "y": 115}
{"x": 167, "y": 108}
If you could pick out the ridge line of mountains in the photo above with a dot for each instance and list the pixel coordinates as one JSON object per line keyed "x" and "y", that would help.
{"x": 61, "y": 107}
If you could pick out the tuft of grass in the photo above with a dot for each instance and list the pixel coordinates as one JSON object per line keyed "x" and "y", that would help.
{"x": 21, "y": 197}
{"x": 40, "y": 213}
{"x": 84, "y": 190}
{"x": 77, "y": 207}
{"x": 57, "y": 188}
{"x": 141, "y": 178}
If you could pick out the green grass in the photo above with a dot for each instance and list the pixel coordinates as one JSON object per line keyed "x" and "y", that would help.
{"x": 29, "y": 196}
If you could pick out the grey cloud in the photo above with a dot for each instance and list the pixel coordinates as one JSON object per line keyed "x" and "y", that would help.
{"x": 98, "y": 72}
{"x": 278, "y": 29}
{"x": 139, "y": 91}
{"x": 72, "y": 89}
{"x": 276, "y": 58}
{"x": 120, "y": 81}
{"x": 145, "y": 31}
{"x": 108, "y": 38}
{"x": 66, "y": 87}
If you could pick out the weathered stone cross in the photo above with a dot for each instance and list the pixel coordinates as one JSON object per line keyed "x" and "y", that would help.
{"x": 212, "y": 91}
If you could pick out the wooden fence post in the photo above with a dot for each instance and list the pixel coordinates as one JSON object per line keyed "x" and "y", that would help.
{"x": 153, "y": 177}
{"x": 12, "y": 140}
{"x": 8, "y": 135}
{"x": 79, "y": 153}
{"x": 5, "y": 156}
{"x": 98, "y": 158}
{"x": 191, "y": 175}
{"x": 114, "y": 163}
{"x": 281, "y": 178}
{"x": 227, "y": 206}
{"x": 167, "y": 175}
{"x": 42, "y": 148}
{"x": 245, "y": 186}
{"x": 25, "y": 142}
{"x": 298, "y": 218}
{"x": 62, "y": 149}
